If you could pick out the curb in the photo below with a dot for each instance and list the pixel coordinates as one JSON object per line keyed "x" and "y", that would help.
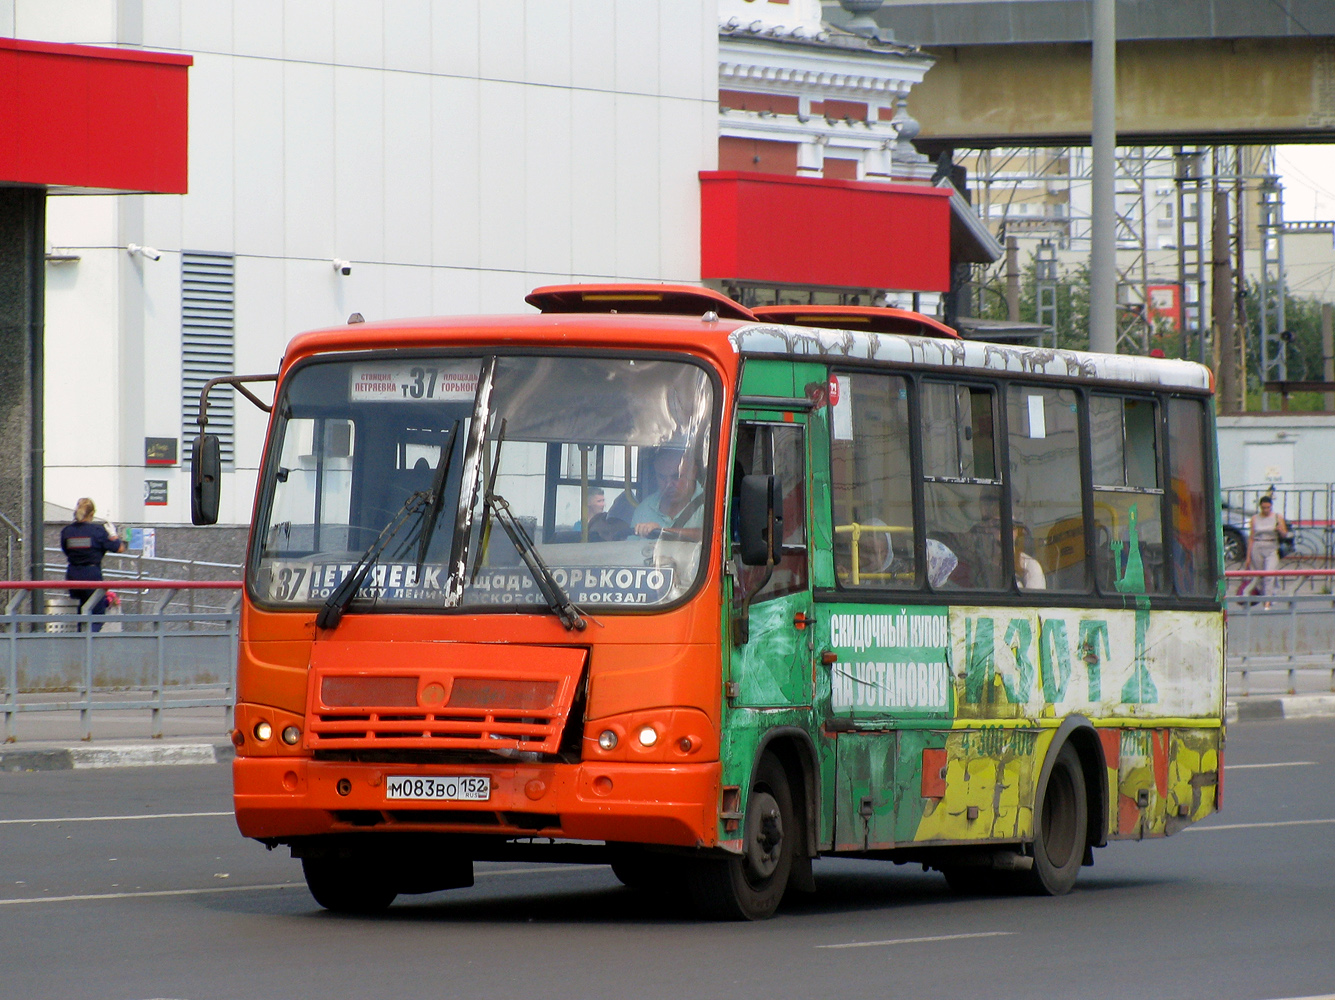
{"x": 1293, "y": 706}
{"x": 80, "y": 757}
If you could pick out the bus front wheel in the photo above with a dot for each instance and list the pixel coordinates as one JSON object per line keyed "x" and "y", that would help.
{"x": 347, "y": 885}
{"x": 1060, "y": 827}
{"x": 751, "y": 886}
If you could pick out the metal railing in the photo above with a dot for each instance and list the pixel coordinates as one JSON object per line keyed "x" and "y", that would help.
{"x": 158, "y": 659}
{"x": 1278, "y": 632}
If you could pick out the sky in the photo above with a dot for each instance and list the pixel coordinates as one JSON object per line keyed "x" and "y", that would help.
{"x": 1309, "y": 181}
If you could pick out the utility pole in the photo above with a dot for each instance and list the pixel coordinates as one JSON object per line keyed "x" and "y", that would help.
{"x": 1012, "y": 279}
{"x": 1221, "y": 284}
{"x": 1103, "y": 148}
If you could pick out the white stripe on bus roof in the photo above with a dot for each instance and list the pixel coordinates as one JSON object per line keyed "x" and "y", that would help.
{"x": 904, "y": 349}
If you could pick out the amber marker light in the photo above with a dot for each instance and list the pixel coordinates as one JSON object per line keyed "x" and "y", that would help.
{"x": 263, "y": 731}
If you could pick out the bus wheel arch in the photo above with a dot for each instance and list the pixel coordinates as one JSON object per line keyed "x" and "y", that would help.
{"x": 1074, "y": 765}
{"x": 793, "y": 748}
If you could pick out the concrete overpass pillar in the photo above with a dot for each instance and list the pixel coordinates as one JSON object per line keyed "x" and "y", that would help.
{"x": 1103, "y": 140}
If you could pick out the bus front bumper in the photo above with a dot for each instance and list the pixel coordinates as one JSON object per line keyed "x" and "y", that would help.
{"x": 277, "y": 798}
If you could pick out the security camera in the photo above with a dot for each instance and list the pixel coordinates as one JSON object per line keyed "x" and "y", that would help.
{"x": 135, "y": 250}
{"x": 342, "y": 266}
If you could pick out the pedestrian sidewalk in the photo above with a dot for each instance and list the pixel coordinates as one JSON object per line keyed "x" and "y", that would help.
{"x": 50, "y": 741}
{"x": 1287, "y": 706}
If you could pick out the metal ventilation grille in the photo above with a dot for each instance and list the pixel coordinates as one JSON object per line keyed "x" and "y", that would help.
{"x": 207, "y": 343}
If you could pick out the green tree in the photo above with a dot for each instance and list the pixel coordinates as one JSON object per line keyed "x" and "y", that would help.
{"x": 1072, "y": 301}
{"x": 1302, "y": 319}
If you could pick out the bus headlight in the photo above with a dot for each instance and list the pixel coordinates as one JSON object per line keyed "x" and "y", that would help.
{"x": 607, "y": 739}
{"x": 291, "y": 735}
{"x": 263, "y": 731}
{"x": 648, "y": 736}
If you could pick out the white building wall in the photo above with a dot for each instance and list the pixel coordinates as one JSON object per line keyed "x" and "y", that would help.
{"x": 457, "y": 153}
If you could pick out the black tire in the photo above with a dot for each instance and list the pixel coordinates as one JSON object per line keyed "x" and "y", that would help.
{"x": 750, "y": 887}
{"x": 1061, "y": 824}
{"x": 347, "y": 886}
{"x": 1235, "y": 547}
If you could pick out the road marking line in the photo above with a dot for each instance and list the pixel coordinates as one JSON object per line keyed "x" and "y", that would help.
{"x": 1257, "y": 826}
{"x": 152, "y": 893}
{"x": 108, "y": 819}
{"x": 918, "y": 940}
{"x": 277, "y": 885}
{"x": 1323, "y": 996}
{"x": 1286, "y": 763}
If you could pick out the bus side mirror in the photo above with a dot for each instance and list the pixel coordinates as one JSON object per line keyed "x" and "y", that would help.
{"x": 205, "y": 479}
{"x": 760, "y": 524}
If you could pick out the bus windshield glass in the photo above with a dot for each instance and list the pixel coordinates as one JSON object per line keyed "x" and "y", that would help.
{"x": 598, "y": 461}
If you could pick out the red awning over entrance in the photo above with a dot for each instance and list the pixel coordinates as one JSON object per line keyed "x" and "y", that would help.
{"x": 818, "y": 232}
{"x": 88, "y": 117}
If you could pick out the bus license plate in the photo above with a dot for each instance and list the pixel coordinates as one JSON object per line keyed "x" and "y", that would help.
{"x": 438, "y": 788}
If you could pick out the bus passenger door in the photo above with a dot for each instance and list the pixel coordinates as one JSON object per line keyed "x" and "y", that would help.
{"x": 773, "y": 666}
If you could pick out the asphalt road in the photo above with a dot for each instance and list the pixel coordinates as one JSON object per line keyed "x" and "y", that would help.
{"x": 127, "y": 908}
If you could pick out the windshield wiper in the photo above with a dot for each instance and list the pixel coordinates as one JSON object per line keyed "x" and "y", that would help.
{"x": 437, "y": 496}
{"x": 337, "y": 602}
{"x": 484, "y": 536}
{"x": 557, "y": 599}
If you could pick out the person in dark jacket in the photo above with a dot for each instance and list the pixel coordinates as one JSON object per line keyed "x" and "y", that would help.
{"x": 84, "y": 544}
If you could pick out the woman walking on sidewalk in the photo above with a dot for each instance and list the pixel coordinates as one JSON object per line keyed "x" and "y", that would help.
{"x": 84, "y": 544}
{"x": 1263, "y": 537}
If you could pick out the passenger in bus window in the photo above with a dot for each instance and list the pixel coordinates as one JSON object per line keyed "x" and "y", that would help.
{"x": 876, "y": 555}
{"x": 1028, "y": 571}
{"x": 677, "y": 505}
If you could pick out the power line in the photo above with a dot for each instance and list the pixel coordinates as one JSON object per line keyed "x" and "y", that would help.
{"x": 1289, "y": 15}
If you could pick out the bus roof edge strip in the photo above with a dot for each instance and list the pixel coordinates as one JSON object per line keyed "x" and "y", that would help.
{"x": 771, "y": 340}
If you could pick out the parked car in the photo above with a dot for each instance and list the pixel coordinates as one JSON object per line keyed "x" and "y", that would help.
{"x": 1236, "y": 524}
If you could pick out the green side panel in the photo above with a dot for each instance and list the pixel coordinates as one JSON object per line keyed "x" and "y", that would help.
{"x": 810, "y": 380}
{"x": 864, "y": 813}
{"x": 773, "y": 669}
{"x": 743, "y": 729}
{"x": 826, "y": 746}
{"x": 768, "y": 378}
{"x": 909, "y": 803}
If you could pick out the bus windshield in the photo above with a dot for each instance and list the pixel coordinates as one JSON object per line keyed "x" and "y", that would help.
{"x": 599, "y": 461}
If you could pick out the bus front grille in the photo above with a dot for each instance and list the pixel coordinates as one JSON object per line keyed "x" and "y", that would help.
{"x": 454, "y": 730}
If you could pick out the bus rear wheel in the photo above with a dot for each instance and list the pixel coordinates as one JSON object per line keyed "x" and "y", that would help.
{"x": 1060, "y": 828}
{"x": 345, "y": 885}
{"x": 750, "y": 887}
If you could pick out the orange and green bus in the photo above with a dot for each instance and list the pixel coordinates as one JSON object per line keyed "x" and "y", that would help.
{"x": 646, "y": 580}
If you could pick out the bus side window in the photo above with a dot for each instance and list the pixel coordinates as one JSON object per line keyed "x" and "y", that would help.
{"x": 962, "y": 488}
{"x": 1193, "y": 525}
{"x": 1128, "y": 500}
{"x": 1047, "y": 514}
{"x": 778, "y": 450}
{"x": 872, "y": 485}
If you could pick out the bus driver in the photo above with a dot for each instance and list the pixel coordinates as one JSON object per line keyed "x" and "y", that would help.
{"x": 677, "y": 506}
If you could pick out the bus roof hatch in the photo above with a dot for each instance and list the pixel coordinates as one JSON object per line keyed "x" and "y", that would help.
{"x": 672, "y": 300}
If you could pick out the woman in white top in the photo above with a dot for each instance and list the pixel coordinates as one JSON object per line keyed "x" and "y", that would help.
{"x": 1263, "y": 544}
